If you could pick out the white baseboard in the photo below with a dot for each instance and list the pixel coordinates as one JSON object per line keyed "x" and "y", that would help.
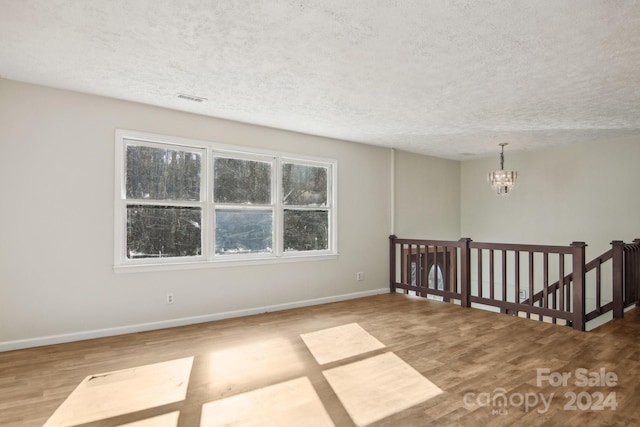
{"x": 121, "y": 330}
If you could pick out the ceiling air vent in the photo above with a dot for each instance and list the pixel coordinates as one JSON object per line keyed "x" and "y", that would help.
{"x": 191, "y": 97}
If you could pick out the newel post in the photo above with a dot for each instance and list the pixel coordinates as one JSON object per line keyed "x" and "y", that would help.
{"x": 618, "y": 278}
{"x": 635, "y": 271}
{"x": 465, "y": 272}
{"x": 392, "y": 263}
{"x": 578, "y": 253}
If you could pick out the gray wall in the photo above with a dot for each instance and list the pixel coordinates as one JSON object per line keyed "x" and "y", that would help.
{"x": 588, "y": 191}
{"x": 57, "y": 278}
{"x": 427, "y": 197}
{"x": 56, "y": 251}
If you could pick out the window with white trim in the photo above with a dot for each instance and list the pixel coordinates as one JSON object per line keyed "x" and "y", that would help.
{"x": 243, "y": 203}
{"x": 181, "y": 201}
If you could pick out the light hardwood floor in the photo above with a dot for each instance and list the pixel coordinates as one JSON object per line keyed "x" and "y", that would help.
{"x": 472, "y": 356}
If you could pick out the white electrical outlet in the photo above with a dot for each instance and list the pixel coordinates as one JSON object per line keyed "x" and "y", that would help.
{"x": 523, "y": 295}
{"x": 360, "y": 276}
{"x": 169, "y": 298}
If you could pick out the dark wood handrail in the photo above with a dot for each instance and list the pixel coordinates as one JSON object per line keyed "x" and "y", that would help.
{"x": 591, "y": 265}
{"x": 521, "y": 247}
{"x": 447, "y": 243}
{"x": 598, "y": 260}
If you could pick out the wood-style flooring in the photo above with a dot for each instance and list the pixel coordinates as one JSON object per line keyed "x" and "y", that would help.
{"x": 486, "y": 365}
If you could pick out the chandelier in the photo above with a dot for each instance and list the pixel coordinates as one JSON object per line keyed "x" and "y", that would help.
{"x": 502, "y": 181}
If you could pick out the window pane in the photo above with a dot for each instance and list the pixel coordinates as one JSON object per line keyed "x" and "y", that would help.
{"x": 241, "y": 181}
{"x": 162, "y": 231}
{"x": 304, "y": 185}
{"x": 432, "y": 278}
{"x": 244, "y": 231}
{"x": 306, "y": 230}
{"x": 160, "y": 174}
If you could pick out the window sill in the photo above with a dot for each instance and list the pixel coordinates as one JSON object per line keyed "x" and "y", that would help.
{"x": 197, "y": 265}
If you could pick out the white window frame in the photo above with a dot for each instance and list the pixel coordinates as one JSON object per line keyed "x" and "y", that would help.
{"x": 283, "y": 207}
{"x": 208, "y": 258}
{"x": 271, "y": 159}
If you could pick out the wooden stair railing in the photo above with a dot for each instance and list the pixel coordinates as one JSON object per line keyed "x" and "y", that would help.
{"x": 626, "y": 276}
{"x": 594, "y": 264}
{"x": 625, "y": 282}
{"x": 457, "y": 271}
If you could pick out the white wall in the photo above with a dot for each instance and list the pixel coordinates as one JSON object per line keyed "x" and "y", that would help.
{"x": 584, "y": 192}
{"x": 427, "y": 197}
{"x": 56, "y": 246}
{"x": 56, "y": 223}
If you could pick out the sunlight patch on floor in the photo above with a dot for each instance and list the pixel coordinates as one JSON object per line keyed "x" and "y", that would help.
{"x": 116, "y": 393}
{"x": 292, "y": 403}
{"x": 378, "y": 387}
{"x": 257, "y": 361}
{"x": 370, "y": 389}
{"x": 341, "y": 342}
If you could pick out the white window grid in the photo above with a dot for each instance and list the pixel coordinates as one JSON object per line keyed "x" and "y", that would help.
{"x": 210, "y": 150}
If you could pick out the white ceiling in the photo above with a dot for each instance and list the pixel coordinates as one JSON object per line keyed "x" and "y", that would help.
{"x": 440, "y": 77}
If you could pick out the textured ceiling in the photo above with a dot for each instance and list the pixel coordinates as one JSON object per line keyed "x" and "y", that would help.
{"x": 440, "y": 77}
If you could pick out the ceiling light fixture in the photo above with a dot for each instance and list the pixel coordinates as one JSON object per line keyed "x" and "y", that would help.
{"x": 502, "y": 181}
